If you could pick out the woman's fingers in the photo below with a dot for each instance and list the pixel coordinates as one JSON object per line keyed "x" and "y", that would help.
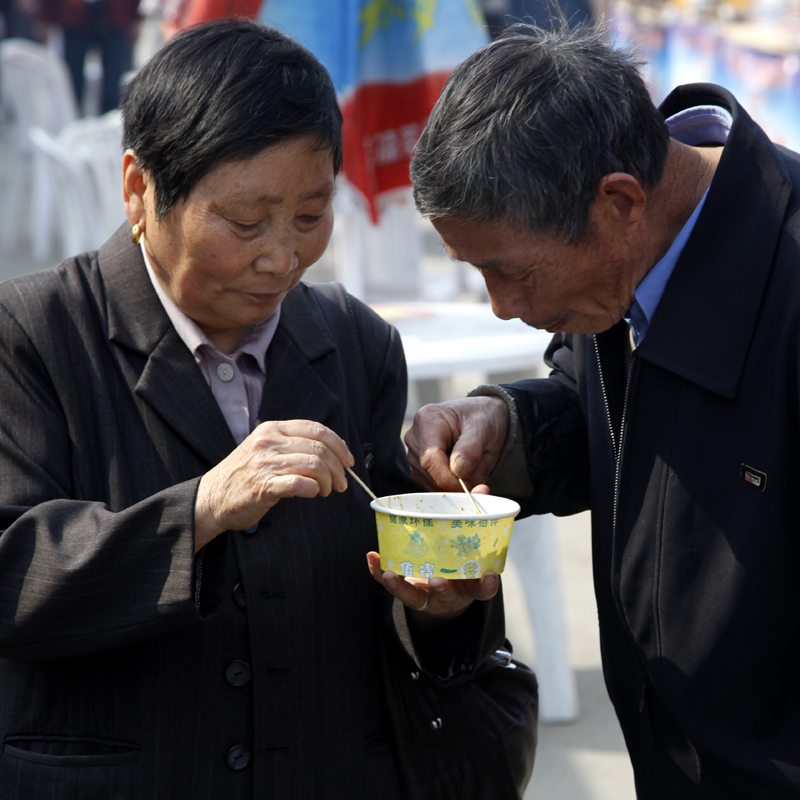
{"x": 286, "y": 458}
{"x": 301, "y": 447}
{"x": 438, "y": 597}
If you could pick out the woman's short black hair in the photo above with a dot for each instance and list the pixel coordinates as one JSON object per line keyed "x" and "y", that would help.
{"x": 220, "y": 92}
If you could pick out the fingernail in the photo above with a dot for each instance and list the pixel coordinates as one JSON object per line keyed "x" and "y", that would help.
{"x": 437, "y": 584}
{"x": 462, "y": 467}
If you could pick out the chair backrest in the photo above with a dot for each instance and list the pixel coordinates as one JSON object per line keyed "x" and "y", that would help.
{"x": 72, "y": 185}
{"x": 97, "y": 143}
{"x": 36, "y": 86}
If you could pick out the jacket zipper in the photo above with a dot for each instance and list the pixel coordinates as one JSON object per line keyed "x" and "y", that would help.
{"x": 617, "y": 477}
{"x": 617, "y": 447}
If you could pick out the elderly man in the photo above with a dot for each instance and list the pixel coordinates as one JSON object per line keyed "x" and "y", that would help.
{"x": 662, "y": 250}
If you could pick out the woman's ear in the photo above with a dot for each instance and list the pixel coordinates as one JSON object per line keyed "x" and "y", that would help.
{"x": 134, "y": 185}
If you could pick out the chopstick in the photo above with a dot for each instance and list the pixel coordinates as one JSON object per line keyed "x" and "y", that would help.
{"x": 363, "y": 485}
{"x": 464, "y": 487}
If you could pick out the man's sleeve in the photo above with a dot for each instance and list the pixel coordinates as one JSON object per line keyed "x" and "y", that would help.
{"x": 544, "y": 465}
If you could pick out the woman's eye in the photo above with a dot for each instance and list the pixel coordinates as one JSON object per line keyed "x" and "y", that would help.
{"x": 247, "y": 227}
{"x": 310, "y": 219}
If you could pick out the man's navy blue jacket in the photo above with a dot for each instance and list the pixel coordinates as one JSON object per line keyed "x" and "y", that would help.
{"x": 690, "y": 462}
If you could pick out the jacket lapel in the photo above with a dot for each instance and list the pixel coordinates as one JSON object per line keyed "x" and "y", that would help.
{"x": 298, "y": 363}
{"x": 163, "y": 373}
{"x": 158, "y": 366}
{"x": 691, "y": 334}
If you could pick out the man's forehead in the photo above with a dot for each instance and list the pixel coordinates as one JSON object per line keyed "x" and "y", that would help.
{"x": 485, "y": 244}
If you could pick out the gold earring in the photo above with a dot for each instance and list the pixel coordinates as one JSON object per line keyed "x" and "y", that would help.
{"x": 136, "y": 233}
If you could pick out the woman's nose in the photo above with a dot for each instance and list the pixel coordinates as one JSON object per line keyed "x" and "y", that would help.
{"x": 277, "y": 257}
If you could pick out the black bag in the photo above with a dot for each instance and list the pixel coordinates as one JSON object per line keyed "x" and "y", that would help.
{"x": 472, "y": 739}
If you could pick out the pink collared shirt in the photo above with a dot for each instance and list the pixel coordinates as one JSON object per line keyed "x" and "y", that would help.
{"x": 237, "y": 380}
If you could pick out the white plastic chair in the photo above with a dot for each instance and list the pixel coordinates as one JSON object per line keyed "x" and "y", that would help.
{"x": 77, "y": 202}
{"x": 84, "y": 165}
{"x": 96, "y": 142}
{"x": 36, "y": 91}
{"x": 534, "y": 553}
{"x": 377, "y": 261}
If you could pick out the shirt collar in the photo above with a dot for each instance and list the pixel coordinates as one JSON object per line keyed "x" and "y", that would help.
{"x": 255, "y": 343}
{"x": 693, "y": 126}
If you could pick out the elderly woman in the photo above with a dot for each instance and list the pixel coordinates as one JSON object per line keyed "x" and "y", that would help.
{"x": 185, "y": 611}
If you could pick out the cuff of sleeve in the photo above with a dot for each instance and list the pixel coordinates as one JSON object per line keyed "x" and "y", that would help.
{"x": 510, "y": 475}
{"x": 444, "y": 652}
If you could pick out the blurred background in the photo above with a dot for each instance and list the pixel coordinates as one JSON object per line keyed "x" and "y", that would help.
{"x": 62, "y": 66}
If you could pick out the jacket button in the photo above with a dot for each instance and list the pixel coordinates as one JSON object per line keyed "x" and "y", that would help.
{"x": 369, "y": 462}
{"x": 238, "y": 673}
{"x": 252, "y": 529}
{"x": 238, "y": 596}
{"x": 238, "y": 757}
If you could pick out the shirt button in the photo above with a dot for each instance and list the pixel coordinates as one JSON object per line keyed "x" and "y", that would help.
{"x": 225, "y": 371}
{"x": 238, "y": 673}
{"x": 238, "y": 756}
{"x": 239, "y": 596}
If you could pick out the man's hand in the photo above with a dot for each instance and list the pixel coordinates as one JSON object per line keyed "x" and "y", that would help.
{"x": 458, "y": 439}
{"x": 295, "y": 458}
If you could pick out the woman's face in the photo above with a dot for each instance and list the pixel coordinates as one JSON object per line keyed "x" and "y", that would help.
{"x": 228, "y": 254}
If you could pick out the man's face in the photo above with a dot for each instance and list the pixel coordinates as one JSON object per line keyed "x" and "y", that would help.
{"x": 578, "y": 288}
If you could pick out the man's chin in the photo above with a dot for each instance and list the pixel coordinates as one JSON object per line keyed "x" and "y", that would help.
{"x": 574, "y": 323}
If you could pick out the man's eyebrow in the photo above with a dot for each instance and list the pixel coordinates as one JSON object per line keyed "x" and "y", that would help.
{"x": 489, "y": 265}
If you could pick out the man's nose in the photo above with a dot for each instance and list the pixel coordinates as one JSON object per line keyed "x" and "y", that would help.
{"x": 509, "y": 299}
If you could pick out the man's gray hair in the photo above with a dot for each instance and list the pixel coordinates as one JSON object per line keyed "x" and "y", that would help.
{"x": 527, "y": 126}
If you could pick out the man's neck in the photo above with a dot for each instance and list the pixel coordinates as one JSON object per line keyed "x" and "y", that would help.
{"x": 688, "y": 173}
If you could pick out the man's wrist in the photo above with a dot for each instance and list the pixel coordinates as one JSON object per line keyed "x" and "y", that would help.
{"x": 510, "y": 474}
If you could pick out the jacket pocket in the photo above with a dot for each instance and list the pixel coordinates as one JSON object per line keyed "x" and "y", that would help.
{"x": 70, "y": 751}
{"x": 74, "y": 767}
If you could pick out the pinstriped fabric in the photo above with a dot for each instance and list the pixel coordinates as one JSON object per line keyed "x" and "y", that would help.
{"x": 112, "y": 683}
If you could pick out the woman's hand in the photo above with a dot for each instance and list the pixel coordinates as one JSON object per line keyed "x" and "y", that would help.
{"x": 436, "y": 599}
{"x": 294, "y": 458}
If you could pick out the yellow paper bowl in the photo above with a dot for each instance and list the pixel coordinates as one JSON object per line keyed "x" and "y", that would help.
{"x": 439, "y": 535}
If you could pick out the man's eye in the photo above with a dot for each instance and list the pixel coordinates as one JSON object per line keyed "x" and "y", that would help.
{"x": 247, "y": 227}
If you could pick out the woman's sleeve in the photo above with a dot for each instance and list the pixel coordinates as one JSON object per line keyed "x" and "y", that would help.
{"x": 75, "y": 576}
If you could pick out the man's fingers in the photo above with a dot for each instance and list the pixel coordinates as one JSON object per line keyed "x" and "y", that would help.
{"x": 457, "y": 439}
{"x": 437, "y": 465}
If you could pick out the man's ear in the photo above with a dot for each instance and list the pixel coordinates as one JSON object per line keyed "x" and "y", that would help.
{"x": 621, "y": 199}
{"x": 134, "y": 185}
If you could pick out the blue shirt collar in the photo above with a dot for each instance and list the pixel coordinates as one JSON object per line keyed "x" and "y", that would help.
{"x": 693, "y": 126}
